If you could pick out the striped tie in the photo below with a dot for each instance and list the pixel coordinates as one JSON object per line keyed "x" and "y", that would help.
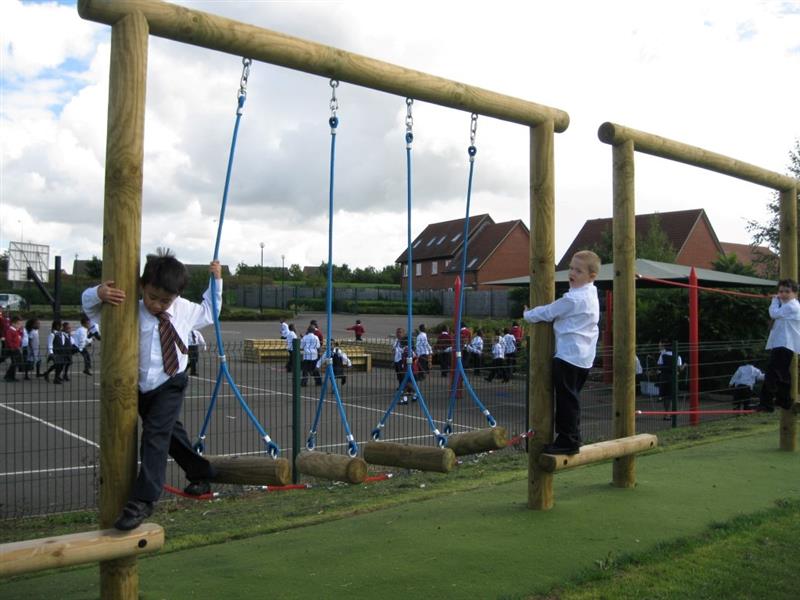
{"x": 169, "y": 338}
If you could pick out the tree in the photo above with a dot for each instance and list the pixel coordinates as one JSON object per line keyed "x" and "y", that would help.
{"x": 730, "y": 263}
{"x": 655, "y": 245}
{"x": 94, "y": 268}
{"x": 769, "y": 233}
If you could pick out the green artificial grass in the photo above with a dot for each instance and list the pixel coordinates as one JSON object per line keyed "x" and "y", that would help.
{"x": 479, "y": 543}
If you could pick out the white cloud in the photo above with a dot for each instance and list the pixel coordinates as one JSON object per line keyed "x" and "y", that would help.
{"x": 720, "y": 76}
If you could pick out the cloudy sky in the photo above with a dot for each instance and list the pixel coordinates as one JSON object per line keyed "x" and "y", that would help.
{"x": 723, "y": 75}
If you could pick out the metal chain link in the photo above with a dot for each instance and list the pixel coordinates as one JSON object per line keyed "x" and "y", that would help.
{"x": 334, "y": 102}
{"x": 473, "y": 128}
{"x": 246, "y": 62}
{"x": 409, "y": 118}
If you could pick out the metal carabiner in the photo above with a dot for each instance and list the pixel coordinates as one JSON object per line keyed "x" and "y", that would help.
{"x": 246, "y": 62}
{"x": 334, "y": 104}
{"x": 473, "y": 128}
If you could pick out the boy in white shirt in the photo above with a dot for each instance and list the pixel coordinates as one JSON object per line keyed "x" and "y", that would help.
{"x": 783, "y": 342}
{"x": 165, "y": 321}
{"x": 574, "y": 316}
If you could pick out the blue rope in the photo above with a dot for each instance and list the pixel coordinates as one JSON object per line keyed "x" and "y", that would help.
{"x": 409, "y": 377}
{"x": 330, "y": 376}
{"x": 272, "y": 448}
{"x": 460, "y": 373}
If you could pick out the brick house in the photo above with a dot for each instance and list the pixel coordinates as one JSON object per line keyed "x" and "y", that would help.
{"x": 689, "y": 231}
{"x": 495, "y": 251}
{"x": 759, "y": 257}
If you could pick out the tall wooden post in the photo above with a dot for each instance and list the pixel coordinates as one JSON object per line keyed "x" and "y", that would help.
{"x": 788, "y": 241}
{"x": 694, "y": 349}
{"x": 624, "y": 234}
{"x": 542, "y": 291}
{"x": 122, "y": 217}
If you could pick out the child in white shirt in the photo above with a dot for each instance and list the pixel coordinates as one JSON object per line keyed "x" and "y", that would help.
{"x": 783, "y": 342}
{"x": 574, "y": 316}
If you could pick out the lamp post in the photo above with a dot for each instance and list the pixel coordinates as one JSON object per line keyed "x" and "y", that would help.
{"x": 283, "y": 280}
{"x": 261, "y": 284}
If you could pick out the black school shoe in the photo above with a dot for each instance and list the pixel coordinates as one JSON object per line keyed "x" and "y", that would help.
{"x": 557, "y": 449}
{"x": 764, "y": 408}
{"x": 197, "y": 488}
{"x": 134, "y": 512}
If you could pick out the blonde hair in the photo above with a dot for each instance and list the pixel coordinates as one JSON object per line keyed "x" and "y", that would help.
{"x": 590, "y": 259}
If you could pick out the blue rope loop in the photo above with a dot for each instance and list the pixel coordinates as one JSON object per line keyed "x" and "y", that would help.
{"x": 334, "y": 123}
{"x": 472, "y": 151}
{"x": 409, "y": 137}
{"x": 272, "y": 449}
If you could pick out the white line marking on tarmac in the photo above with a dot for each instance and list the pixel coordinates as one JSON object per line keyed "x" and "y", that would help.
{"x": 48, "y": 424}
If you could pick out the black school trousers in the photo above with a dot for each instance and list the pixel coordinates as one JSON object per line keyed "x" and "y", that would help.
{"x": 776, "y": 388}
{"x": 163, "y": 434}
{"x": 568, "y": 381}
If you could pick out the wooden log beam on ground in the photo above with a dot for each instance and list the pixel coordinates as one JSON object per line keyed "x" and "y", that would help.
{"x": 336, "y": 467}
{"x": 423, "y": 458}
{"x": 78, "y": 548}
{"x": 592, "y": 453}
{"x": 482, "y": 440}
{"x": 251, "y": 470}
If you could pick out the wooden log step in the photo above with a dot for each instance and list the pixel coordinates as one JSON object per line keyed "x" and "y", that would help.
{"x": 592, "y": 453}
{"x": 422, "y": 458}
{"x": 78, "y": 548}
{"x": 335, "y": 467}
{"x": 251, "y": 470}
{"x": 481, "y": 440}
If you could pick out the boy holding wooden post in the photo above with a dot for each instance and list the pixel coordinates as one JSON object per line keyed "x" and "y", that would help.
{"x": 574, "y": 316}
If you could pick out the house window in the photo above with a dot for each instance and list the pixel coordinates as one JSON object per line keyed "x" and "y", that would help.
{"x": 418, "y": 269}
{"x": 435, "y": 267}
{"x": 447, "y": 263}
{"x": 417, "y": 243}
{"x": 405, "y": 270}
{"x": 433, "y": 239}
{"x": 472, "y": 263}
{"x": 441, "y": 239}
{"x": 456, "y": 237}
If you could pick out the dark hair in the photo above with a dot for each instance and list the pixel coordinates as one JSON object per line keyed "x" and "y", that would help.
{"x": 422, "y": 327}
{"x": 56, "y": 326}
{"x": 789, "y": 283}
{"x": 30, "y": 323}
{"x": 164, "y": 271}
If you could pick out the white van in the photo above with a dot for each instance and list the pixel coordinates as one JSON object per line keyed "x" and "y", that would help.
{"x": 12, "y": 302}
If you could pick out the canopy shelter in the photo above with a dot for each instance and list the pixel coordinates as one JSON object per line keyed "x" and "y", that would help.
{"x": 649, "y": 270}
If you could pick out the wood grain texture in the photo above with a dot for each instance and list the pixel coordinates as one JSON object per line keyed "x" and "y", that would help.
{"x": 592, "y": 453}
{"x": 422, "y": 458}
{"x": 335, "y": 467}
{"x": 251, "y": 470}
{"x": 789, "y": 246}
{"x": 481, "y": 440}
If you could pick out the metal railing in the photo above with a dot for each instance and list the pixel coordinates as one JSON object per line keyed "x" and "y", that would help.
{"x": 50, "y": 433}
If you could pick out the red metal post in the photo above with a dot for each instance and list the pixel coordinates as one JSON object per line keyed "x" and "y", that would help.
{"x": 694, "y": 353}
{"x": 456, "y": 312}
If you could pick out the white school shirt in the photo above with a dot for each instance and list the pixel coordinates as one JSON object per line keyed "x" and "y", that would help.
{"x": 397, "y": 346}
{"x": 285, "y": 330}
{"x": 50, "y": 338}
{"x": 785, "y": 332}
{"x": 291, "y": 336}
{"x": 24, "y": 341}
{"x": 574, "y": 317}
{"x": 184, "y": 316}
{"x": 476, "y": 345}
{"x": 637, "y": 366}
{"x": 346, "y": 362}
{"x": 664, "y": 353}
{"x": 422, "y": 345}
{"x": 309, "y": 344}
{"x": 33, "y": 344}
{"x": 196, "y": 339}
{"x": 498, "y": 351}
{"x": 509, "y": 343}
{"x": 746, "y": 375}
{"x": 80, "y": 337}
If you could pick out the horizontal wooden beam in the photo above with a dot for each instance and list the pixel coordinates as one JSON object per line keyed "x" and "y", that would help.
{"x": 335, "y": 467}
{"x": 251, "y": 470}
{"x": 240, "y": 39}
{"x": 422, "y": 458}
{"x": 78, "y": 548}
{"x": 614, "y": 134}
{"x": 481, "y": 440}
{"x": 592, "y": 453}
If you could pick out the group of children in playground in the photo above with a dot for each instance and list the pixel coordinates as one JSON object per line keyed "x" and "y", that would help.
{"x": 166, "y": 321}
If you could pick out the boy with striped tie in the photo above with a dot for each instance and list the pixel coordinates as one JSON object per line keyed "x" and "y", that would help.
{"x": 165, "y": 321}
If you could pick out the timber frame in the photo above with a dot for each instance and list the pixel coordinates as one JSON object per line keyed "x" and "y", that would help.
{"x": 132, "y": 22}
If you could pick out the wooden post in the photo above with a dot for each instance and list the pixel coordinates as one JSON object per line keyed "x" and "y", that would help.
{"x": 78, "y": 548}
{"x": 788, "y": 241}
{"x": 624, "y": 233}
{"x": 122, "y": 222}
{"x": 198, "y": 28}
{"x": 480, "y": 440}
{"x": 542, "y": 291}
{"x": 592, "y": 453}
{"x": 694, "y": 349}
{"x": 335, "y": 467}
{"x": 423, "y": 458}
{"x": 251, "y": 470}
